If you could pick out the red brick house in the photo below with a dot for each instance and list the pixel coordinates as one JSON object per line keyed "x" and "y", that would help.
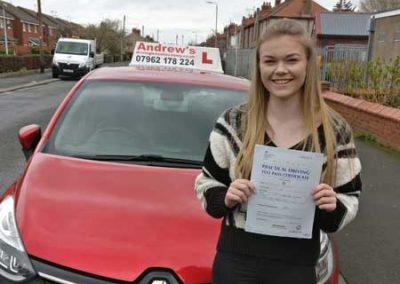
{"x": 253, "y": 26}
{"x": 7, "y": 21}
{"x": 66, "y": 28}
{"x": 25, "y": 29}
{"x": 23, "y": 33}
{"x": 50, "y": 28}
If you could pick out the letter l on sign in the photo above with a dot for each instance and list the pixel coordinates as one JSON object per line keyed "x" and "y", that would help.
{"x": 205, "y": 60}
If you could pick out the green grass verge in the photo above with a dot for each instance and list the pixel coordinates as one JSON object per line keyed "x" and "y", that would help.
{"x": 371, "y": 140}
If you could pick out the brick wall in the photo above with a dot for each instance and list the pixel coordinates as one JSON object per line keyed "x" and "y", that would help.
{"x": 328, "y": 41}
{"x": 17, "y": 29}
{"x": 27, "y": 35}
{"x": 380, "y": 121}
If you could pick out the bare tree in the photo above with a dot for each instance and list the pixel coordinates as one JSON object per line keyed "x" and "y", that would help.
{"x": 107, "y": 34}
{"x": 378, "y": 5}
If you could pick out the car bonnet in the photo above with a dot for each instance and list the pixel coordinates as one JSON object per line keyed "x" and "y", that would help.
{"x": 114, "y": 220}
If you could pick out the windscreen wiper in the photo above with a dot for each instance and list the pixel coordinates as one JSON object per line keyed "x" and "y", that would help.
{"x": 140, "y": 158}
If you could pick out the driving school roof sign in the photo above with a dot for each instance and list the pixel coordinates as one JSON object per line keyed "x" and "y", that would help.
{"x": 187, "y": 57}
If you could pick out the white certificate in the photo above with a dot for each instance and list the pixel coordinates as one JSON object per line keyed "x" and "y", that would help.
{"x": 284, "y": 179}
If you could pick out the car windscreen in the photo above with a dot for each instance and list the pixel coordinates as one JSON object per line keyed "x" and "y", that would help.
{"x": 78, "y": 48}
{"x": 133, "y": 119}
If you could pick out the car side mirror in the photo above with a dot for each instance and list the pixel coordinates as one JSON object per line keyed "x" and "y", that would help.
{"x": 29, "y": 137}
{"x": 91, "y": 54}
{"x": 52, "y": 51}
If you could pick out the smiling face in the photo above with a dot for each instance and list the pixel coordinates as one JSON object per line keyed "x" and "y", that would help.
{"x": 283, "y": 63}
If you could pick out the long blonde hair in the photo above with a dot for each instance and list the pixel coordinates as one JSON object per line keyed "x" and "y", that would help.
{"x": 255, "y": 124}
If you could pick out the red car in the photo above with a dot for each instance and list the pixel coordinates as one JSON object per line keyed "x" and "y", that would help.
{"x": 107, "y": 193}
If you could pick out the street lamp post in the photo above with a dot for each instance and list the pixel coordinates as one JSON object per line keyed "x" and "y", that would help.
{"x": 216, "y": 20}
{"x": 5, "y": 29}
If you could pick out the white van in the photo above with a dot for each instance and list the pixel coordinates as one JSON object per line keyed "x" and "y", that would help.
{"x": 75, "y": 57}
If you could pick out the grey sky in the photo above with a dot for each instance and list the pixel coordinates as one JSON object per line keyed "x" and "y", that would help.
{"x": 187, "y": 18}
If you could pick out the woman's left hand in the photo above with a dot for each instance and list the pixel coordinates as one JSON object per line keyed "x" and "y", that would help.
{"x": 325, "y": 197}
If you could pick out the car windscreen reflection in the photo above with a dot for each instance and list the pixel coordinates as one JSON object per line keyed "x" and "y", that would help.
{"x": 129, "y": 119}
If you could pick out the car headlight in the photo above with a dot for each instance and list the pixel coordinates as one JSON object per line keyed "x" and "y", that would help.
{"x": 324, "y": 267}
{"x": 55, "y": 63}
{"x": 14, "y": 262}
{"x": 84, "y": 64}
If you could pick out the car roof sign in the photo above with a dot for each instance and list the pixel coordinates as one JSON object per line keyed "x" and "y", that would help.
{"x": 151, "y": 54}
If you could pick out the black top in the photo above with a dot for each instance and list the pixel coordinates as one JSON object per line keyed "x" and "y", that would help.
{"x": 218, "y": 172}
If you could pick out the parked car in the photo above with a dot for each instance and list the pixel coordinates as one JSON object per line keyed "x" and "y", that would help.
{"x": 107, "y": 192}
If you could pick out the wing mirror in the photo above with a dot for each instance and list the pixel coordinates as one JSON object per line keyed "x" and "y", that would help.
{"x": 91, "y": 54}
{"x": 29, "y": 137}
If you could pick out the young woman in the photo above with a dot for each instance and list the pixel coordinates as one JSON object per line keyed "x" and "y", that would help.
{"x": 285, "y": 109}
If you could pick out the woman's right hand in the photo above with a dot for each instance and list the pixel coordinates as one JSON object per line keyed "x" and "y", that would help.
{"x": 238, "y": 192}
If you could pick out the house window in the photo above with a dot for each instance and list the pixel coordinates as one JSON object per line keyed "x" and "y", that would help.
{"x": 2, "y": 24}
{"x": 397, "y": 35}
{"x": 23, "y": 27}
{"x": 381, "y": 37}
{"x": 35, "y": 28}
{"x": 50, "y": 31}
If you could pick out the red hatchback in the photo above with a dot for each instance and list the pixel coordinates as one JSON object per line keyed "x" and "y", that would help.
{"x": 107, "y": 194}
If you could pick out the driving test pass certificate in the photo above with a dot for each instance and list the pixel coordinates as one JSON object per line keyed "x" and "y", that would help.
{"x": 284, "y": 179}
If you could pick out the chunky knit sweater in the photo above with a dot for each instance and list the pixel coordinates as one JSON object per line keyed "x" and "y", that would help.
{"x": 219, "y": 171}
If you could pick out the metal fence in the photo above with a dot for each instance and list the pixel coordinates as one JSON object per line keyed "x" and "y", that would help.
{"x": 239, "y": 62}
{"x": 339, "y": 53}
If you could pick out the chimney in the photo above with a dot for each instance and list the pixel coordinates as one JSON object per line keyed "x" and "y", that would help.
{"x": 136, "y": 32}
{"x": 277, "y": 2}
{"x": 266, "y": 7}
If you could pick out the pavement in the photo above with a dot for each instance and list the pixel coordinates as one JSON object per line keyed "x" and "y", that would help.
{"x": 16, "y": 81}
{"x": 21, "y": 73}
{"x": 27, "y": 85}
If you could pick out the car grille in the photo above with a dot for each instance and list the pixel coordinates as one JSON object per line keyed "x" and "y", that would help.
{"x": 68, "y": 66}
{"x": 53, "y": 274}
